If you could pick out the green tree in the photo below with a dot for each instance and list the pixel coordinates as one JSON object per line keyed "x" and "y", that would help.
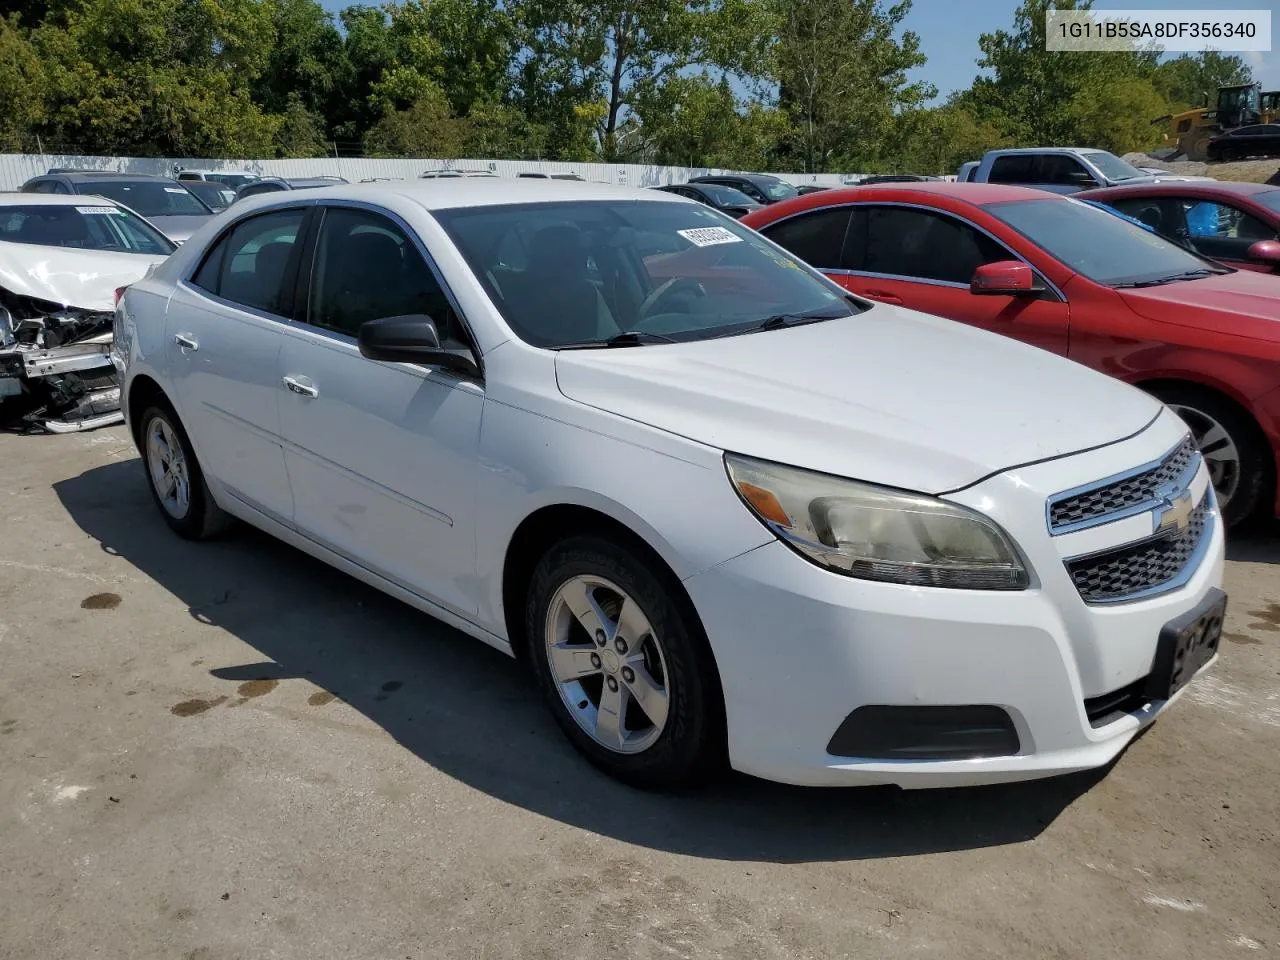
{"x": 937, "y": 140}
{"x": 841, "y": 67}
{"x": 618, "y": 53}
{"x": 697, "y": 121}
{"x": 306, "y": 63}
{"x": 301, "y": 131}
{"x": 1193, "y": 80}
{"x": 23, "y": 85}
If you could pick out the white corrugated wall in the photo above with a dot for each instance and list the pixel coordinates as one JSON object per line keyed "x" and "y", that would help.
{"x": 16, "y": 168}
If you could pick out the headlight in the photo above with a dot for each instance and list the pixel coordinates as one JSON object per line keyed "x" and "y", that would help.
{"x": 877, "y": 533}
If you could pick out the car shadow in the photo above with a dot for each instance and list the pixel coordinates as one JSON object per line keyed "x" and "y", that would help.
{"x": 1257, "y": 542}
{"x": 470, "y": 712}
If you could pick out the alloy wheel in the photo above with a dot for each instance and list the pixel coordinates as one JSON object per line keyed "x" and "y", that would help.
{"x": 167, "y": 465}
{"x": 608, "y": 664}
{"x": 1219, "y": 450}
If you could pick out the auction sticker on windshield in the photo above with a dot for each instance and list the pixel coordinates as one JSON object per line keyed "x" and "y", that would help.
{"x": 97, "y": 210}
{"x": 709, "y": 236}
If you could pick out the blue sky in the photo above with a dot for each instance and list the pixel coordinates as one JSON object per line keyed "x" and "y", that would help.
{"x": 949, "y": 31}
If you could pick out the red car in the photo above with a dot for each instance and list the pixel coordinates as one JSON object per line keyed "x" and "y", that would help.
{"x": 1074, "y": 279}
{"x": 1234, "y": 223}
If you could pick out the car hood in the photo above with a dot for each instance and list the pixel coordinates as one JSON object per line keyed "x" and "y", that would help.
{"x": 74, "y": 278}
{"x": 890, "y": 396}
{"x": 1243, "y": 303}
{"x": 178, "y": 229}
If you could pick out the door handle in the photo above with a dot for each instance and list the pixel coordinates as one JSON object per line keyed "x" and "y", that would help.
{"x": 186, "y": 341}
{"x": 302, "y": 389}
{"x": 884, "y": 296}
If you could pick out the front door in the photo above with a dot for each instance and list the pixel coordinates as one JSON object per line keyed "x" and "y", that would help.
{"x": 223, "y": 332}
{"x": 925, "y": 260}
{"x": 381, "y": 456}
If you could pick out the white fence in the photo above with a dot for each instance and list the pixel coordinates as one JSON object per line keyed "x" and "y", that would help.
{"x": 16, "y": 169}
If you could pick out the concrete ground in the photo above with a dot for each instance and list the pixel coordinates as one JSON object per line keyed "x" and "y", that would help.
{"x": 228, "y": 750}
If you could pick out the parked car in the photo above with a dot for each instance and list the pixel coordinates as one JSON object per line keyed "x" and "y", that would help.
{"x": 727, "y": 200}
{"x": 232, "y": 179}
{"x": 1074, "y": 280}
{"x": 1234, "y": 223}
{"x": 1056, "y": 169}
{"x": 166, "y": 203}
{"x": 278, "y": 184}
{"x": 610, "y": 433}
{"x": 450, "y": 174}
{"x": 893, "y": 178}
{"x": 549, "y": 176}
{"x": 760, "y": 187}
{"x": 1259, "y": 140}
{"x": 216, "y": 196}
{"x": 62, "y": 261}
{"x": 966, "y": 171}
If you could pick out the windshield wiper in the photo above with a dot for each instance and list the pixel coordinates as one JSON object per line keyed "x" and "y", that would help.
{"x": 628, "y": 338}
{"x": 1174, "y": 278}
{"x": 780, "y": 321}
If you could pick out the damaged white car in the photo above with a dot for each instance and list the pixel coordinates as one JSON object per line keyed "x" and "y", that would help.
{"x": 63, "y": 261}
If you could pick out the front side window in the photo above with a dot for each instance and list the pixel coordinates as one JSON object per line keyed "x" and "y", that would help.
{"x": 817, "y": 238}
{"x": 582, "y": 272}
{"x": 1061, "y": 169}
{"x": 921, "y": 244}
{"x": 367, "y": 269}
{"x": 91, "y": 226}
{"x": 1105, "y": 248}
{"x": 1220, "y": 230}
{"x": 252, "y": 264}
{"x": 151, "y": 198}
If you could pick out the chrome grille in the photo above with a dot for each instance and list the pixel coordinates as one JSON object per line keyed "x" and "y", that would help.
{"x": 1130, "y": 571}
{"x": 1121, "y": 496}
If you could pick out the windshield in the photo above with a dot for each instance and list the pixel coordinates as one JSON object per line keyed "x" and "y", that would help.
{"x": 151, "y": 198}
{"x": 727, "y": 196}
{"x": 83, "y": 227}
{"x": 1269, "y": 199}
{"x": 1102, "y": 246}
{"x": 232, "y": 180}
{"x": 586, "y": 271}
{"x": 777, "y": 190}
{"x": 217, "y": 195}
{"x": 1112, "y": 167}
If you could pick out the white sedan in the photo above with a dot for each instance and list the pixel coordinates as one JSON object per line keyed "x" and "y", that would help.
{"x": 721, "y": 509}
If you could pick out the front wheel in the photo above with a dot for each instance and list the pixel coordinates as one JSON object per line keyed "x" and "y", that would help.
{"x": 624, "y": 669}
{"x": 176, "y": 480}
{"x": 1231, "y": 446}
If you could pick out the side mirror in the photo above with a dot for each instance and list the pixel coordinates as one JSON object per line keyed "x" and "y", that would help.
{"x": 1265, "y": 251}
{"x": 410, "y": 339}
{"x": 1005, "y": 278}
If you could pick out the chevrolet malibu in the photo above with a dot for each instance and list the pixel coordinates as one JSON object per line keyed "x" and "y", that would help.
{"x": 722, "y": 509}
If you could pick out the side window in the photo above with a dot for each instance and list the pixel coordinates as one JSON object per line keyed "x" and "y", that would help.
{"x": 366, "y": 269}
{"x": 918, "y": 243}
{"x": 1013, "y": 168}
{"x": 1057, "y": 168}
{"x": 816, "y": 238}
{"x": 40, "y": 186}
{"x": 1155, "y": 212}
{"x": 60, "y": 187}
{"x": 250, "y": 265}
{"x": 1219, "y": 230}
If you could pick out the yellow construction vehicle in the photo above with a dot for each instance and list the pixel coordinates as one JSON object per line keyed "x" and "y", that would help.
{"x": 1237, "y": 106}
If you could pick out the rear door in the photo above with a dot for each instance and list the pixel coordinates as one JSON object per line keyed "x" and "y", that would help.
{"x": 925, "y": 259}
{"x": 223, "y": 332}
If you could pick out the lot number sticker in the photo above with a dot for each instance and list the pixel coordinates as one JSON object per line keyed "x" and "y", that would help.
{"x": 709, "y": 236}
{"x": 96, "y": 210}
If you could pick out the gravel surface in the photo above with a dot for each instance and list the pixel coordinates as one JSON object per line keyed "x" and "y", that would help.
{"x": 228, "y": 750}
{"x": 1253, "y": 171}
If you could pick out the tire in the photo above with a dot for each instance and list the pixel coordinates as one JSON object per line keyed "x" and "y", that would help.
{"x": 1232, "y": 445}
{"x": 590, "y": 580}
{"x": 192, "y": 515}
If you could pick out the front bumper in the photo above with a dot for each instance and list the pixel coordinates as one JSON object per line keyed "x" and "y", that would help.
{"x": 800, "y": 647}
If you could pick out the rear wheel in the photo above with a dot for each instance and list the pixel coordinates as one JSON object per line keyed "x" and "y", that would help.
{"x": 176, "y": 480}
{"x": 624, "y": 669}
{"x": 1231, "y": 445}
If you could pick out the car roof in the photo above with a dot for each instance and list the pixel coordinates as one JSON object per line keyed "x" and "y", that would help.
{"x": 88, "y": 176}
{"x": 753, "y": 177}
{"x": 53, "y": 200}
{"x": 448, "y": 193}
{"x": 1077, "y": 150}
{"x": 975, "y": 193}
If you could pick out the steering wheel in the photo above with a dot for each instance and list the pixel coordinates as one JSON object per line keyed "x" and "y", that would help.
{"x": 668, "y": 289}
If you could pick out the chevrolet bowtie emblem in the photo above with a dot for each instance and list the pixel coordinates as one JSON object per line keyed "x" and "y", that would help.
{"x": 1174, "y": 513}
